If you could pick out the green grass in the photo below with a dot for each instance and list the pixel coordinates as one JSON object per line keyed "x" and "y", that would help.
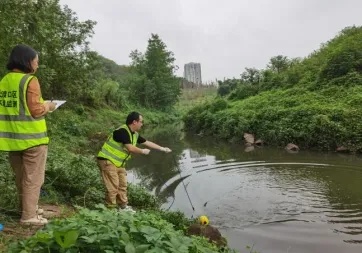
{"x": 323, "y": 119}
{"x": 192, "y": 97}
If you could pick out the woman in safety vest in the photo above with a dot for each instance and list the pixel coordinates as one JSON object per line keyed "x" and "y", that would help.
{"x": 23, "y": 131}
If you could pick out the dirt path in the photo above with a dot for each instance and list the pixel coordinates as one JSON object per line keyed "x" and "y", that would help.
{"x": 15, "y": 231}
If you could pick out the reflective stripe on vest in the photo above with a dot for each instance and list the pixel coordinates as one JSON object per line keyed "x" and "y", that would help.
{"x": 116, "y": 152}
{"x": 18, "y": 129}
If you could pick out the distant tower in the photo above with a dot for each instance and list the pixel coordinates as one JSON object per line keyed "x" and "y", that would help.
{"x": 192, "y": 73}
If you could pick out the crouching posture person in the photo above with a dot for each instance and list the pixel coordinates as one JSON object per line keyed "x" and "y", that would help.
{"x": 114, "y": 154}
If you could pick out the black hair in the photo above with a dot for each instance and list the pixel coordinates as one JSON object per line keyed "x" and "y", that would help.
{"x": 132, "y": 116}
{"x": 20, "y": 58}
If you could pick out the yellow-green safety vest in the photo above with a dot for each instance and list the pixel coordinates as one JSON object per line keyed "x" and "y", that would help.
{"x": 116, "y": 152}
{"x": 18, "y": 129}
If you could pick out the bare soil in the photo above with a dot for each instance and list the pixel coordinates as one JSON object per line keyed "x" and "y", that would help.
{"x": 14, "y": 231}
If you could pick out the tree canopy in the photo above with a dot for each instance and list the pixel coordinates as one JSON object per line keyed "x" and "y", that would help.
{"x": 59, "y": 37}
{"x": 156, "y": 85}
{"x": 69, "y": 70}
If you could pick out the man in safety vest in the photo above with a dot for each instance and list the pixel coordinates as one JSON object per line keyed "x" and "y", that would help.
{"x": 23, "y": 131}
{"x": 114, "y": 154}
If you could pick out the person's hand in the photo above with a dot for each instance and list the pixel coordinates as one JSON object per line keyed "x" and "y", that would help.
{"x": 51, "y": 106}
{"x": 165, "y": 149}
{"x": 145, "y": 151}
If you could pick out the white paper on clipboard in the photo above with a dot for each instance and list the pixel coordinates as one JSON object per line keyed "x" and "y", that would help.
{"x": 58, "y": 103}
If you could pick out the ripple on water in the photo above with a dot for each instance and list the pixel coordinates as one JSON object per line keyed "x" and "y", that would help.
{"x": 287, "y": 201}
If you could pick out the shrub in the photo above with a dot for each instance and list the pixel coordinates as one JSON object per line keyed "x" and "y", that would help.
{"x": 109, "y": 231}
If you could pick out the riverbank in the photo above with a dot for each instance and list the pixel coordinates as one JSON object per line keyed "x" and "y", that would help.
{"x": 313, "y": 102}
{"x": 73, "y": 180}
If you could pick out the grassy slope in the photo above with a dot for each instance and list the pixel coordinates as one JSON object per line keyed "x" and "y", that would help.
{"x": 322, "y": 109}
{"x": 72, "y": 176}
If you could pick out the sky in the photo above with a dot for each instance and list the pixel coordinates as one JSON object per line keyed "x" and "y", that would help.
{"x": 224, "y": 36}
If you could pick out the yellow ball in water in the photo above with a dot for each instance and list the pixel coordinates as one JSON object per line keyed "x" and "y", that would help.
{"x": 204, "y": 220}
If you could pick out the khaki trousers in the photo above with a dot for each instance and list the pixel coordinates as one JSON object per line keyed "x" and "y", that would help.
{"x": 115, "y": 181}
{"x": 29, "y": 168}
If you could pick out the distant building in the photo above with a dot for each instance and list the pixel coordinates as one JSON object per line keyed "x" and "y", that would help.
{"x": 192, "y": 73}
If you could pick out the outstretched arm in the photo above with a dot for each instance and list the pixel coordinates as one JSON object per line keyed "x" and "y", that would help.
{"x": 121, "y": 135}
{"x": 136, "y": 150}
{"x": 153, "y": 145}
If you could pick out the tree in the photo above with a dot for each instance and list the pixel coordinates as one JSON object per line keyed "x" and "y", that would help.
{"x": 251, "y": 76}
{"x": 278, "y": 63}
{"x": 59, "y": 37}
{"x": 156, "y": 85}
{"x": 227, "y": 86}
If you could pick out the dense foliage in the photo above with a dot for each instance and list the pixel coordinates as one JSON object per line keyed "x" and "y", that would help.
{"x": 69, "y": 70}
{"x": 314, "y": 102}
{"x": 111, "y": 231}
{"x": 59, "y": 37}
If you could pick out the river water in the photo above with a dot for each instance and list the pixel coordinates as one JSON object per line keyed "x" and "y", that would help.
{"x": 265, "y": 198}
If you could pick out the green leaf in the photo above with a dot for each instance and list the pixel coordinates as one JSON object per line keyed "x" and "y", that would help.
{"x": 88, "y": 239}
{"x": 130, "y": 248}
{"x": 125, "y": 237}
{"x": 133, "y": 229}
{"x": 142, "y": 248}
{"x": 151, "y": 233}
{"x": 66, "y": 239}
{"x": 44, "y": 237}
{"x": 156, "y": 250}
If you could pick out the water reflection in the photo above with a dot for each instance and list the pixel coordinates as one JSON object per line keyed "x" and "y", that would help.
{"x": 305, "y": 202}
